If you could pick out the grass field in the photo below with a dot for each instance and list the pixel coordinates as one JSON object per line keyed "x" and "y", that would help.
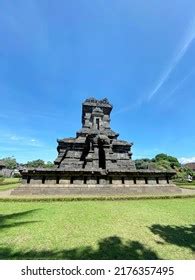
{"x": 142, "y": 229}
{"x": 186, "y": 185}
{"x": 9, "y": 183}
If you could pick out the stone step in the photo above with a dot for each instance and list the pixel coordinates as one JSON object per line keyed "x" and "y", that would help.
{"x": 103, "y": 190}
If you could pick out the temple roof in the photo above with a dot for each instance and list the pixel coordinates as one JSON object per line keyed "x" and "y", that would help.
{"x": 95, "y": 102}
{"x": 117, "y": 142}
{"x": 67, "y": 140}
{"x": 108, "y": 132}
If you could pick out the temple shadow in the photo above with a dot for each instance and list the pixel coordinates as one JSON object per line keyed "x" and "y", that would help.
{"x": 110, "y": 248}
{"x": 183, "y": 236}
{"x": 9, "y": 220}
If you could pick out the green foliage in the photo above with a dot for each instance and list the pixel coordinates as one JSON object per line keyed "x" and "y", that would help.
{"x": 167, "y": 161}
{"x": 5, "y": 187}
{"x": 9, "y": 183}
{"x": 35, "y": 163}
{"x": 163, "y": 165}
{"x": 182, "y": 174}
{"x": 17, "y": 175}
{"x": 39, "y": 163}
{"x": 11, "y": 180}
{"x": 10, "y": 162}
{"x": 145, "y": 163}
{"x": 49, "y": 164}
{"x": 160, "y": 162}
{"x": 141, "y": 164}
{"x": 188, "y": 171}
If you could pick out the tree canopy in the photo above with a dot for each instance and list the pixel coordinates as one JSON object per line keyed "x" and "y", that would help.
{"x": 10, "y": 162}
{"x": 165, "y": 162}
{"x": 169, "y": 160}
{"x": 39, "y": 163}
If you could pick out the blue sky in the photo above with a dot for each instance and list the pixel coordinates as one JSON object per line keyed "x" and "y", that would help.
{"x": 138, "y": 54}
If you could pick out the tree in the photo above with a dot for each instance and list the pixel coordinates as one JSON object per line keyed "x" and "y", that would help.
{"x": 165, "y": 162}
{"x": 36, "y": 163}
{"x": 49, "y": 164}
{"x": 142, "y": 163}
{"x": 39, "y": 163}
{"x": 163, "y": 165}
{"x": 10, "y": 162}
{"x": 182, "y": 174}
{"x": 171, "y": 161}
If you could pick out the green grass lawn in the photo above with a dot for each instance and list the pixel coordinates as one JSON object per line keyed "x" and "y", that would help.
{"x": 10, "y": 180}
{"x": 191, "y": 187}
{"x": 9, "y": 183}
{"x": 142, "y": 229}
{"x": 186, "y": 185}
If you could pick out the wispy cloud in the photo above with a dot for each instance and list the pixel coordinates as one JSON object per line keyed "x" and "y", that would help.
{"x": 17, "y": 140}
{"x": 184, "y": 46}
{"x": 184, "y": 160}
{"x": 190, "y": 36}
{"x": 179, "y": 85}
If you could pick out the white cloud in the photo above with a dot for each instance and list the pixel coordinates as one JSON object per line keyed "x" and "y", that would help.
{"x": 15, "y": 138}
{"x": 184, "y": 160}
{"x": 190, "y": 36}
{"x": 18, "y": 140}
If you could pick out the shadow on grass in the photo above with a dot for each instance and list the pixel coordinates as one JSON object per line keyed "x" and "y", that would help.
{"x": 9, "y": 220}
{"x": 111, "y": 248}
{"x": 183, "y": 236}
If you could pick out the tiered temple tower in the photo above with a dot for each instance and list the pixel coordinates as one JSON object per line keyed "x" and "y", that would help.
{"x": 96, "y": 146}
{"x": 95, "y": 162}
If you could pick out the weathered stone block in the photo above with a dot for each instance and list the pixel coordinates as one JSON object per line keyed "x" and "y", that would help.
{"x": 103, "y": 181}
{"x": 64, "y": 181}
{"x": 35, "y": 181}
{"x": 129, "y": 182}
{"x": 163, "y": 181}
{"x": 140, "y": 181}
{"x": 91, "y": 181}
{"x": 49, "y": 181}
{"x": 152, "y": 181}
{"x": 116, "y": 182}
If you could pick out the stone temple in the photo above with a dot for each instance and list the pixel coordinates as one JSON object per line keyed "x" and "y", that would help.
{"x": 95, "y": 162}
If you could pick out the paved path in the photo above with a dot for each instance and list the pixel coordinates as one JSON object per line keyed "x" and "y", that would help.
{"x": 188, "y": 191}
{"x": 5, "y": 193}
